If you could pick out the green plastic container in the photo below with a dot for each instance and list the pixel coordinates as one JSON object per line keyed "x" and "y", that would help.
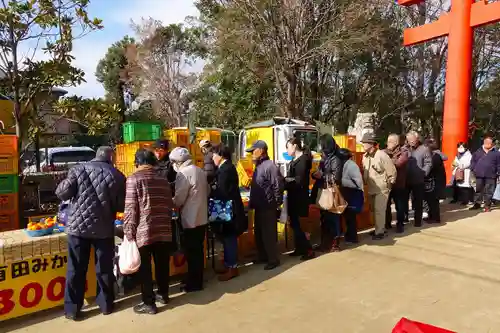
{"x": 136, "y": 131}
{"x": 9, "y": 184}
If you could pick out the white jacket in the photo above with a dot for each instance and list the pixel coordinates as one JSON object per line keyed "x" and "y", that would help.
{"x": 191, "y": 195}
{"x": 463, "y": 163}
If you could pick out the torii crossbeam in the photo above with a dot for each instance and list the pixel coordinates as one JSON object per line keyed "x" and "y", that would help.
{"x": 458, "y": 24}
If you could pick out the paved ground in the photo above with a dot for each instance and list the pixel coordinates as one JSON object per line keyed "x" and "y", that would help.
{"x": 446, "y": 275}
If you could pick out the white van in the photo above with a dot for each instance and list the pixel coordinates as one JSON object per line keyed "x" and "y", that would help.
{"x": 61, "y": 158}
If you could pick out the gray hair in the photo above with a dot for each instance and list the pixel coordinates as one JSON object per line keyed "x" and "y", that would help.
{"x": 394, "y": 136}
{"x": 104, "y": 153}
{"x": 414, "y": 134}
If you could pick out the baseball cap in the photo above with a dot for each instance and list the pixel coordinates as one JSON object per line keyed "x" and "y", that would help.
{"x": 204, "y": 143}
{"x": 259, "y": 144}
{"x": 161, "y": 144}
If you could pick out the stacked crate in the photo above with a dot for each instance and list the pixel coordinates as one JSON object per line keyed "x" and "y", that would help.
{"x": 136, "y": 135}
{"x": 9, "y": 183}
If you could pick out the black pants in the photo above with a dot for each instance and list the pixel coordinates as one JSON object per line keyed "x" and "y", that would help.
{"x": 463, "y": 195}
{"x": 160, "y": 251}
{"x": 76, "y": 273}
{"x": 400, "y": 198}
{"x": 194, "y": 242}
{"x": 433, "y": 209}
{"x": 485, "y": 187}
{"x": 351, "y": 232}
{"x": 266, "y": 235}
{"x": 302, "y": 244}
{"x": 417, "y": 192}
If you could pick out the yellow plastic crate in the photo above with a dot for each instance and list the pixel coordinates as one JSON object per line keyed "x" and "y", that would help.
{"x": 346, "y": 141}
{"x": 8, "y": 164}
{"x": 126, "y": 168}
{"x": 245, "y": 180}
{"x": 125, "y": 153}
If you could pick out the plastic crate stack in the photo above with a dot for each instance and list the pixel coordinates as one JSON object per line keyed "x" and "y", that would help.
{"x": 9, "y": 183}
{"x": 179, "y": 137}
{"x": 136, "y": 135}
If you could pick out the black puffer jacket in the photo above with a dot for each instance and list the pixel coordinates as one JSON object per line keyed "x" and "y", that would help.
{"x": 96, "y": 191}
{"x": 332, "y": 164}
{"x": 165, "y": 169}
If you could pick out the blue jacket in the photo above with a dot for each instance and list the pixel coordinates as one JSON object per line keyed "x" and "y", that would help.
{"x": 486, "y": 165}
{"x": 266, "y": 191}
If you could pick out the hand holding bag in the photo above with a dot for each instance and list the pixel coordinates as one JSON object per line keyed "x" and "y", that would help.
{"x": 129, "y": 259}
{"x": 331, "y": 200}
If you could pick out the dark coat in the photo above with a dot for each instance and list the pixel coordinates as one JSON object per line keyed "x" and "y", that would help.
{"x": 399, "y": 157}
{"x": 226, "y": 188}
{"x": 166, "y": 170}
{"x": 96, "y": 191}
{"x": 266, "y": 191}
{"x": 297, "y": 185}
{"x": 209, "y": 167}
{"x": 438, "y": 175}
{"x": 486, "y": 165}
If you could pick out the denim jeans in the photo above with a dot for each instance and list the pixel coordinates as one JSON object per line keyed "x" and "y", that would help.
{"x": 230, "y": 244}
{"x": 332, "y": 224}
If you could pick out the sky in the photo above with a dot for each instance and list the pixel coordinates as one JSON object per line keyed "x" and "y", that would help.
{"x": 117, "y": 17}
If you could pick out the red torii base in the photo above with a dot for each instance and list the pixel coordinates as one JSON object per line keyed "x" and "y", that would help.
{"x": 458, "y": 24}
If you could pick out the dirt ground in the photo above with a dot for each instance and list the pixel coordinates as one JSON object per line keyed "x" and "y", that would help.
{"x": 446, "y": 275}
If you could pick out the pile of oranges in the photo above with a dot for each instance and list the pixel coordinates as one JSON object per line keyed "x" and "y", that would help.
{"x": 47, "y": 223}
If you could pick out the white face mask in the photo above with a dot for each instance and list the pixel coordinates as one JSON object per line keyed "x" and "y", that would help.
{"x": 461, "y": 150}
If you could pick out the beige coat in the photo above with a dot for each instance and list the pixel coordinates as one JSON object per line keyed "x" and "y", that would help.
{"x": 191, "y": 195}
{"x": 379, "y": 172}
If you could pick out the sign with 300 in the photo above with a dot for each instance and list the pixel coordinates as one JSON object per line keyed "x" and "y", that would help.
{"x": 36, "y": 284}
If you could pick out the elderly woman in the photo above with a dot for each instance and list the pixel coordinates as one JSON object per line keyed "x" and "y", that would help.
{"x": 191, "y": 197}
{"x": 148, "y": 213}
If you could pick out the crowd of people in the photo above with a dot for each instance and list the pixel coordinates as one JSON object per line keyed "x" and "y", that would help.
{"x": 167, "y": 180}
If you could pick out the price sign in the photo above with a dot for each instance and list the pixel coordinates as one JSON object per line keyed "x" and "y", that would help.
{"x": 36, "y": 284}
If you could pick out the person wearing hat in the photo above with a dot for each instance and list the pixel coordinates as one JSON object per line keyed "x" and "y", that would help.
{"x": 208, "y": 162}
{"x": 266, "y": 196}
{"x": 191, "y": 197}
{"x": 164, "y": 166}
{"x": 379, "y": 173}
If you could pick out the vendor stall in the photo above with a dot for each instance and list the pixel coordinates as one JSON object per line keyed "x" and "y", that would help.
{"x": 32, "y": 273}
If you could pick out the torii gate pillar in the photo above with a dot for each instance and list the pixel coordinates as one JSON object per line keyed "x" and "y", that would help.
{"x": 459, "y": 25}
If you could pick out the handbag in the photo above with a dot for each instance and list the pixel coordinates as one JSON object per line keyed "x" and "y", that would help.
{"x": 129, "y": 259}
{"x": 459, "y": 175}
{"x": 331, "y": 200}
{"x": 220, "y": 211}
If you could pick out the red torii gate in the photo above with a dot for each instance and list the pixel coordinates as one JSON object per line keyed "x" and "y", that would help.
{"x": 458, "y": 24}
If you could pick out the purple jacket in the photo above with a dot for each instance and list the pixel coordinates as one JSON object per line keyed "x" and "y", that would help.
{"x": 486, "y": 165}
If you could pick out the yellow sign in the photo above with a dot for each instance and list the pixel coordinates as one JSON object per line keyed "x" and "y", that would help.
{"x": 37, "y": 284}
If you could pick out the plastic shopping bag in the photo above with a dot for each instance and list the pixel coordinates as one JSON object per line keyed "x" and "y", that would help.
{"x": 284, "y": 211}
{"x": 496, "y": 195}
{"x": 409, "y": 326}
{"x": 129, "y": 259}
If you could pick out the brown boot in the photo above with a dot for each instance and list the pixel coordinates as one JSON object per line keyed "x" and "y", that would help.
{"x": 231, "y": 273}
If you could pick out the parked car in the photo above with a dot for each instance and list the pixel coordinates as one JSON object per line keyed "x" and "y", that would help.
{"x": 60, "y": 158}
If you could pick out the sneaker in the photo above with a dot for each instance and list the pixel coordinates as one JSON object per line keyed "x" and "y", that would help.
{"x": 162, "y": 299}
{"x": 476, "y": 206}
{"x": 296, "y": 253}
{"x": 74, "y": 317}
{"x": 144, "y": 308}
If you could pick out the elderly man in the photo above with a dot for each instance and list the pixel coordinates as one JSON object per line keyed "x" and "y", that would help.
{"x": 419, "y": 167}
{"x": 96, "y": 191}
{"x": 485, "y": 165}
{"x": 266, "y": 196}
{"x": 399, "y": 156}
{"x": 191, "y": 197}
{"x": 379, "y": 173}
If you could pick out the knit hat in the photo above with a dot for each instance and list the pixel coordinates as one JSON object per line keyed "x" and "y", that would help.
{"x": 180, "y": 155}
